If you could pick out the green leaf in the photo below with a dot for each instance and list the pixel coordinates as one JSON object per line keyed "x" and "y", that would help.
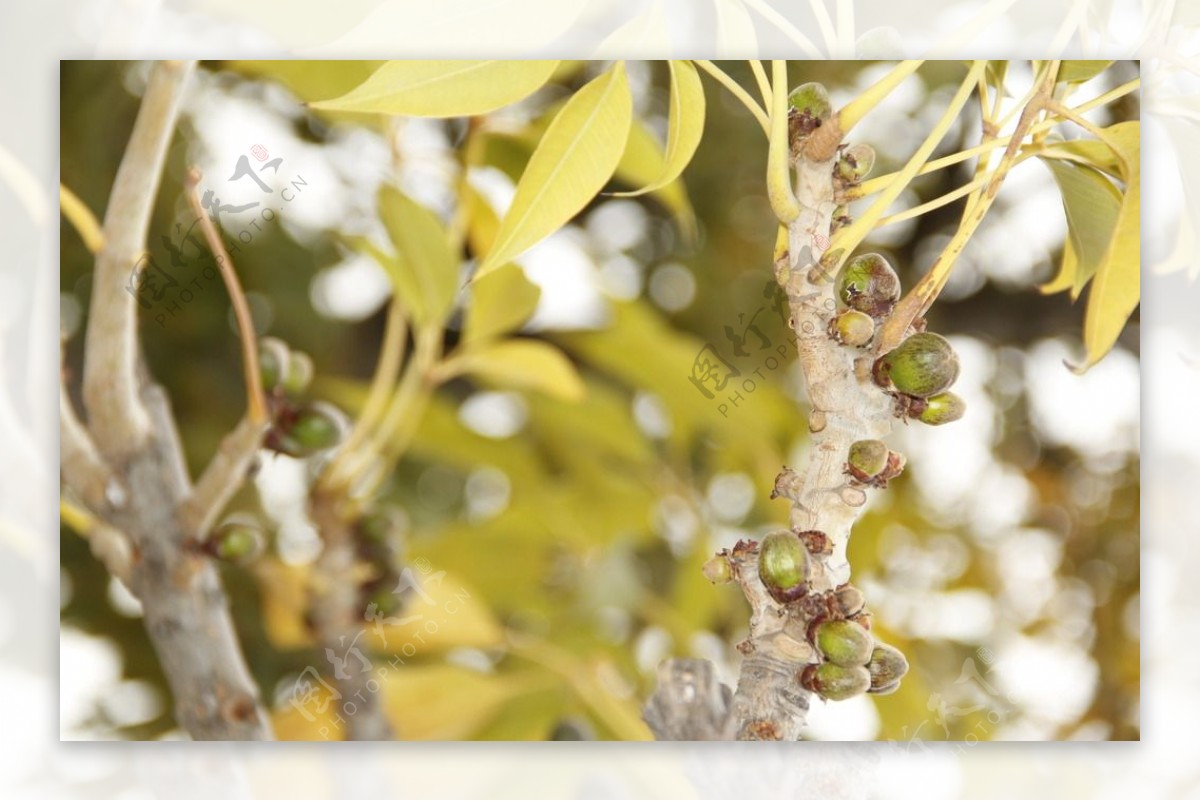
{"x": 521, "y": 364}
{"x": 310, "y": 80}
{"x": 500, "y": 303}
{"x": 685, "y": 125}
{"x": 444, "y": 88}
{"x": 424, "y": 271}
{"x": 1080, "y": 71}
{"x": 1065, "y": 279}
{"x": 1092, "y": 204}
{"x": 571, "y": 164}
{"x": 1116, "y": 290}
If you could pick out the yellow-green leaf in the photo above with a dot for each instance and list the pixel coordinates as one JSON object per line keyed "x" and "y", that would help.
{"x": 1092, "y": 204}
{"x": 424, "y": 270}
{"x": 685, "y": 125}
{"x": 500, "y": 303}
{"x": 482, "y": 222}
{"x": 521, "y": 364}
{"x": 1091, "y": 152}
{"x": 1079, "y": 71}
{"x": 1065, "y": 279}
{"x": 571, "y": 164}
{"x": 642, "y": 161}
{"x": 443, "y": 88}
{"x": 1117, "y": 288}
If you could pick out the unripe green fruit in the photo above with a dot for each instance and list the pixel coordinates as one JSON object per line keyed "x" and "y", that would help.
{"x": 921, "y": 366}
{"x": 849, "y": 600}
{"x": 853, "y": 328}
{"x": 855, "y": 163}
{"x": 944, "y": 407}
{"x": 237, "y": 542}
{"x": 836, "y": 682}
{"x": 869, "y": 284}
{"x": 312, "y": 428}
{"x": 299, "y": 373}
{"x": 717, "y": 570}
{"x": 844, "y": 642}
{"x": 783, "y": 566}
{"x": 810, "y": 107}
{"x": 886, "y": 667}
{"x": 273, "y": 358}
{"x": 867, "y": 459}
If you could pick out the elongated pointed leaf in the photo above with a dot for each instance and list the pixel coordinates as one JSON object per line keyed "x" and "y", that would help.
{"x": 571, "y": 164}
{"x": 500, "y": 303}
{"x": 424, "y": 271}
{"x": 1116, "y": 289}
{"x": 685, "y": 125}
{"x": 522, "y": 364}
{"x": 1092, "y": 204}
{"x": 443, "y": 88}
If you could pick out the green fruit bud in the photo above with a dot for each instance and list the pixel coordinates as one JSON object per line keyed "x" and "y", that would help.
{"x": 273, "y": 358}
{"x": 848, "y": 600}
{"x": 717, "y": 570}
{"x": 886, "y": 667}
{"x": 380, "y": 594}
{"x": 310, "y": 429}
{"x": 844, "y": 642}
{"x": 854, "y": 328}
{"x": 835, "y": 682}
{"x": 237, "y": 541}
{"x": 944, "y": 407}
{"x": 783, "y": 566}
{"x": 867, "y": 459}
{"x": 921, "y": 366}
{"x": 810, "y": 107}
{"x": 869, "y": 284}
{"x": 855, "y": 163}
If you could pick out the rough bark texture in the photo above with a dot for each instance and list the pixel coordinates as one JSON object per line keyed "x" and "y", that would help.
{"x": 131, "y": 445}
{"x": 846, "y": 406}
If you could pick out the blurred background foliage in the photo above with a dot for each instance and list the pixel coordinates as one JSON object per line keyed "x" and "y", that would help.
{"x": 1004, "y": 562}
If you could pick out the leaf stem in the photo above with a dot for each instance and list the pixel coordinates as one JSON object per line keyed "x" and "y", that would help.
{"x": 241, "y": 309}
{"x": 764, "y": 85}
{"x": 853, "y": 112}
{"x": 737, "y": 91}
{"x": 779, "y": 174}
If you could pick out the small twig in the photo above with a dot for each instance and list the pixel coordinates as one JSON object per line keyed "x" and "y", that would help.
{"x": 116, "y": 415}
{"x": 83, "y": 468}
{"x": 108, "y": 545}
{"x": 922, "y": 295}
{"x": 222, "y": 478}
{"x": 241, "y": 309}
{"x": 82, "y": 218}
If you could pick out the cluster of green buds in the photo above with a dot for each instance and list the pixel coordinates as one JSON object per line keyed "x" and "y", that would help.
{"x": 920, "y": 371}
{"x": 809, "y": 108}
{"x": 852, "y": 661}
{"x": 300, "y": 427}
{"x": 867, "y": 289}
{"x": 379, "y": 544}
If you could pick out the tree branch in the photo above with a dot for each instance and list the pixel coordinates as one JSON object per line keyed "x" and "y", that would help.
{"x": 186, "y": 613}
{"x": 116, "y": 416}
{"x": 222, "y": 478}
{"x": 82, "y": 467}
